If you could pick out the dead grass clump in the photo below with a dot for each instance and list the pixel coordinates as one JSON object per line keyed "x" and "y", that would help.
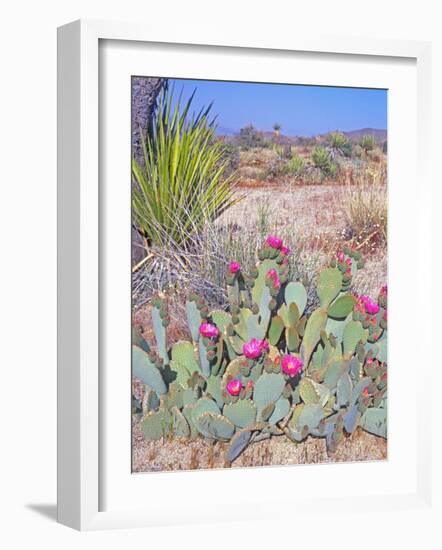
{"x": 366, "y": 213}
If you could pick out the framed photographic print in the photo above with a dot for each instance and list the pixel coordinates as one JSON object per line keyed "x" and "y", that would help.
{"x": 234, "y": 275}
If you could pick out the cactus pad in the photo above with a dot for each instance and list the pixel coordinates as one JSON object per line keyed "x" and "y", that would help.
{"x": 242, "y": 413}
{"x": 268, "y": 389}
{"x": 145, "y": 370}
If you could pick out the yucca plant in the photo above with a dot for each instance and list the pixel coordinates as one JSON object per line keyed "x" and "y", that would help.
{"x": 182, "y": 183}
{"x": 322, "y": 159}
{"x": 295, "y": 166}
{"x": 368, "y": 143}
{"x": 340, "y": 144}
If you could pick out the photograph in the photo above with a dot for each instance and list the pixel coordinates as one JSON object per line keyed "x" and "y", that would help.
{"x": 258, "y": 274}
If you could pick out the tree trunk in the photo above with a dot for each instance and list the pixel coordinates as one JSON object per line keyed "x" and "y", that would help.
{"x": 145, "y": 91}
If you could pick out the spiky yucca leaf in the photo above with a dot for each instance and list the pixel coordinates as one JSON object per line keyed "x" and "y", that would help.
{"x": 182, "y": 183}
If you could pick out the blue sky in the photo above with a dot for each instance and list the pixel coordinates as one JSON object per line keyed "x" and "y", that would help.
{"x": 301, "y": 110}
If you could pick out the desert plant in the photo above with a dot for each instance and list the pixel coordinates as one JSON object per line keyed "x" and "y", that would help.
{"x": 366, "y": 214}
{"x": 250, "y": 138}
{"x": 385, "y": 147}
{"x": 340, "y": 144}
{"x": 181, "y": 183}
{"x": 295, "y": 166}
{"x": 367, "y": 143}
{"x": 322, "y": 159}
{"x": 265, "y": 367}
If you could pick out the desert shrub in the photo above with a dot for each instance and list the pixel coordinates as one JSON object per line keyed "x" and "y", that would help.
{"x": 283, "y": 150}
{"x": 323, "y": 161}
{"x": 385, "y": 147}
{"x": 340, "y": 144}
{"x": 358, "y": 152}
{"x": 295, "y": 166}
{"x": 366, "y": 211}
{"x": 367, "y": 143}
{"x": 232, "y": 156}
{"x": 182, "y": 182}
{"x": 265, "y": 366}
{"x": 250, "y": 138}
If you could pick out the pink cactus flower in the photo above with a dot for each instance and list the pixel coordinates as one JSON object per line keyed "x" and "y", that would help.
{"x": 340, "y": 257}
{"x": 365, "y": 392}
{"x": 234, "y": 387}
{"x": 249, "y": 385}
{"x": 234, "y": 267}
{"x": 273, "y": 275}
{"x": 370, "y": 306}
{"x": 291, "y": 365}
{"x": 255, "y": 348}
{"x": 348, "y": 262}
{"x": 285, "y": 250}
{"x": 384, "y": 291}
{"x": 208, "y": 330}
{"x": 264, "y": 346}
{"x": 274, "y": 242}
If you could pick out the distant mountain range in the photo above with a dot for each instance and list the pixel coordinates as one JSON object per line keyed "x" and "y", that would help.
{"x": 379, "y": 134}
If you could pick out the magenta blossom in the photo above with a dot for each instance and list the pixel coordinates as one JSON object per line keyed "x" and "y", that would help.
{"x": 255, "y": 348}
{"x": 285, "y": 250}
{"x": 371, "y": 307}
{"x": 340, "y": 256}
{"x": 291, "y": 365}
{"x": 234, "y": 387}
{"x": 274, "y": 242}
{"x": 208, "y": 330}
{"x": 273, "y": 275}
{"x": 234, "y": 267}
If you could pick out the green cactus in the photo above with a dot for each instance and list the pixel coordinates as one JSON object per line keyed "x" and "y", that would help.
{"x": 184, "y": 353}
{"x": 193, "y": 319}
{"x": 242, "y": 413}
{"x": 312, "y": 335}
{"x": 156, "y": 425}
{"x": 329, "y": 285}
{"x": 145, "y": 370}
{"x": 159, "y": 329}
{"x": 238, "y": 443}
{"x": 342, "y": 385}
{"x": 296, "y": 293}
{"x": 374, "y": 420}
{"x": 268, "y": 389}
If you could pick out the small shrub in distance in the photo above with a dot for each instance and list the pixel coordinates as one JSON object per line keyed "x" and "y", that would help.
{"x": 322, "y": 159}
{"x": 340, "y": 144}
{"x": 295, "y": 166}
{"x": 367, "y": 143}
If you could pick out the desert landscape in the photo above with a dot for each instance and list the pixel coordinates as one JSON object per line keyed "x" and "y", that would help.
{"x": 309, "y": 209}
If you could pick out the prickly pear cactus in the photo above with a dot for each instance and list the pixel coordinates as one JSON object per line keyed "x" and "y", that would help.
{"x": 265, "y": 368}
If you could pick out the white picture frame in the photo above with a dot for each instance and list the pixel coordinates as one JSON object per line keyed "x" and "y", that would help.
{"x": 80, "y": 296}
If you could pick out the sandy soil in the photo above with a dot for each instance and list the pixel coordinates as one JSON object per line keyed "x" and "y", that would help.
{"x": 184, "y": 454}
